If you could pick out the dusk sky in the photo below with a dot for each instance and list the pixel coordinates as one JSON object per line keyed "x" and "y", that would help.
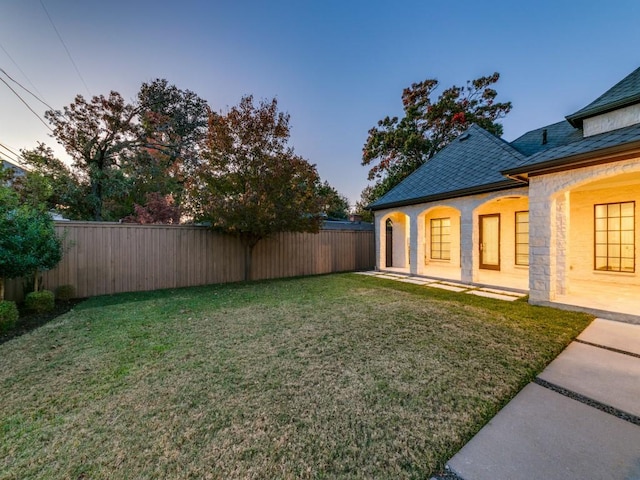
{"x": 336, "y": 66}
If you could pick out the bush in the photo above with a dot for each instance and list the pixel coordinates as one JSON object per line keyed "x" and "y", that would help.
{"x": 8, "y": 315}
{"x": 40, "y": 302}
{"x": 65, "y": 292}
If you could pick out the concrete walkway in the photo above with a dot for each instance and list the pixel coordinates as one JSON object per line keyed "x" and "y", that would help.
{"x": 580, "y": 419}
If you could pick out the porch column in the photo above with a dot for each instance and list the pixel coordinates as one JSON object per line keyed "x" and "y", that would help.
{"x": 563, "y": 207}
{"x": 542, "y": 242}
{"x": 467, "y": 242}
{"x": 413, "y": 242}
{"x": 381, "y": 239}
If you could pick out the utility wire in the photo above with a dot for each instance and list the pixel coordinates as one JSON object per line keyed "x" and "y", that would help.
{"x": 26, "y": 90}
{"x": 21, "y": 71}
{"x": 16, "y": 158}
{"x": 26, "y": 104}
{"x": 65, "y": 47}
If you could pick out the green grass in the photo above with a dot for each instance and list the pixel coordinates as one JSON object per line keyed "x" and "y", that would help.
{"x": 339, "y": 376}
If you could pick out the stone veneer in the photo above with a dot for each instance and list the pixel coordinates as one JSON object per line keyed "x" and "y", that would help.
{"x": 549, "y": 224}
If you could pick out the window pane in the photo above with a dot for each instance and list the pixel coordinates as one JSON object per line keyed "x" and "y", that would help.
{"x": 614, "y": 223}
{"x": 446, "y": 222}
{"x": 601, "y": 224}
{"x": 626, "y": 223}
{"x": 614, "y": 236}
{"x": 601, "y": 250}
{"x": 627, "y": 265}
{"x": 626, "y": 209}
{"x": 614, "y": 264}
{"x": 601, "y": 211}
{"x": 626, "y": 237}
{"x": 601, "y": 237}
{"x": 601, "y": 263}
{"x": 614, "y": 210}
{"x": 614, "y": 251}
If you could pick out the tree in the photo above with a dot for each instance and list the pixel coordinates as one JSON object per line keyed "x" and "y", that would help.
{"x": 334, "y": 205}
{"x": 251, "y": 183}
{"x": 158, "y": 209}
{"x": 28, "y": 241}
{"x": 50, "y": 184}
{"x": 174, "y": 125}
{"x": 99, "y": 135}
{"x": 397, "y": 147}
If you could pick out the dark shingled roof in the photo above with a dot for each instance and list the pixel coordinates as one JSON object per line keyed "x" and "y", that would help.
{"x": 566, "y": 153}
{"x": 561, "y": 133}
{"x": 470, "y": 164}
{"x": 624, "y": 93}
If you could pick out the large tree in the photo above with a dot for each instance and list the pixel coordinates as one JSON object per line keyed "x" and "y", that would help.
{"x": 51, "y": 184}
{"x": 99, "y": 135}
{"x": 398, "y": 146}
{"x": 174, "y": 125}
{"x": 251, "y": 183}
{"x": 335, "y": 206}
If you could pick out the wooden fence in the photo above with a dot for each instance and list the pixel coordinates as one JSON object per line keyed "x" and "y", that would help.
{"x": 106, "y": 258}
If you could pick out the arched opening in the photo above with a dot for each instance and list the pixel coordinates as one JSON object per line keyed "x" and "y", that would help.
{"x": 389, "y": 243}
{"x": 394, "y": 242}
{"x": 501, "y": 242}
{"x": 597, "y": 237}
{"x": 439, "y": 245}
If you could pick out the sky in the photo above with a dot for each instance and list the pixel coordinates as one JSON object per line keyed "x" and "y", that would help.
{"x": 336, "y": 66}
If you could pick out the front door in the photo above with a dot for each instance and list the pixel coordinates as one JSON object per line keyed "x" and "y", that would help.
{"x": 490, "y": 241}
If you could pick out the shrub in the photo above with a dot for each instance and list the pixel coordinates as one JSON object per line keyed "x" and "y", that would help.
{"x": 65, "y": 292}
{"x": 42, "y": 301}
{"x": 8, "y": 315}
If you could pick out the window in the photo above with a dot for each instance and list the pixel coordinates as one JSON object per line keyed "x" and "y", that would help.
{"x": 441, "y": 238}
{"x": 522, "y": 238}
{"x": 615, "y": 237}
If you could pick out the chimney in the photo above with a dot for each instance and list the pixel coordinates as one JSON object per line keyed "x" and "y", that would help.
{"x": 544, "y": 136}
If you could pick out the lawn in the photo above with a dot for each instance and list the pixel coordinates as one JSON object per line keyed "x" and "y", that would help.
{"x": 338, "y": 376}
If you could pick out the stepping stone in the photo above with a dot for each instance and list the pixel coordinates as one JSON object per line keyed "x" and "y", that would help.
{"x": 602, "y": 375}
{"x": 415, "y": 281}
{"x": 371, "y": 273}
{"x": 497, "y": 296}
{"x": 451, "y": 288}
{"x": 542, "y": 434}
{"x": 622, "y": 336}
{"x": 503, "y": 292}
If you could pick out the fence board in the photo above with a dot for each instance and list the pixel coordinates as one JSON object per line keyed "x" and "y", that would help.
{"x": 106, "y": 258}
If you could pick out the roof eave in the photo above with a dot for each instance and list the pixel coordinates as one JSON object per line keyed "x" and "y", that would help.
{"x": 576, "y": 119}
{"x": 491, "y": 187}
{"x": 597, "y": 157}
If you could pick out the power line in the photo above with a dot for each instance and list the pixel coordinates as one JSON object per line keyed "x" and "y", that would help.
{"x": 20, "y": 70}
{"x": 65, "y": 47}
{"x": 26, "y": 90}
{"x": 16, "y": 157}
{"x": 26, "y": 104}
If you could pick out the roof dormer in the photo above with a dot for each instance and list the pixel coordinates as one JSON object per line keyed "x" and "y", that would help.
{"x": 618, "y": 107}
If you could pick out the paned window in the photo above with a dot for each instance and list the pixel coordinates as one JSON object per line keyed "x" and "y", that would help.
{"x": 615, "y": 237}
{"x": 441, "y": 238}
{"x": 522, "y": 238}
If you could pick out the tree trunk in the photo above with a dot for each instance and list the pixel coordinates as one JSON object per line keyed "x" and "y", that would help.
{"x": 1, "y": 289}
{"x": 36, "y": 283}
{"x": 248, "y": 253}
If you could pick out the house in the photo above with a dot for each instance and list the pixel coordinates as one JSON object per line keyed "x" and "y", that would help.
{"x": 553, "y": 212}
{"x": 17, "y": 171}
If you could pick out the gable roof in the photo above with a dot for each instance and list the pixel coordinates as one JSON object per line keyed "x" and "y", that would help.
{"x": 624, "y": 93}
{"x": 561, "y": 133}
{"x": 581, "y": 152}
{"x": 472, "y": 163}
